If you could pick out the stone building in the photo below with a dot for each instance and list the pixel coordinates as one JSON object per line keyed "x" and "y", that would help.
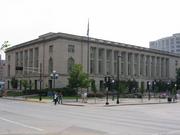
{"x": 59, "y": 51}
{"x": 2, "y": 69}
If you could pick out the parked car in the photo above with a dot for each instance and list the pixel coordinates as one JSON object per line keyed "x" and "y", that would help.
{"x": 163, "y": 95}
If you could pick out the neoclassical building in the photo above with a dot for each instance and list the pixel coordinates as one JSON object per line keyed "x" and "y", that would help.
{"x": 59, "y": 51}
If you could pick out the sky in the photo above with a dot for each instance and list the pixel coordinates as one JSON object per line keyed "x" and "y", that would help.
{"x": 134, "y": 22}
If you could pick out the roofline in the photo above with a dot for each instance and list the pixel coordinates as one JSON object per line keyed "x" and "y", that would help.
{"x": 54, "y": 36}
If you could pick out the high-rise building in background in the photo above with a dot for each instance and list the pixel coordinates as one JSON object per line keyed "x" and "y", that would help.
{"x": 169, "y": 44}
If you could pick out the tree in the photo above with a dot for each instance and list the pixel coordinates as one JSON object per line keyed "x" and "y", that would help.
{"x": 142, "y": 90}
{"x": 4, "y": 46}
{"x": 78, "y": 79}
{"x": 121, "y": 88}
{"x": 93, "y": 87}
{"x": 14, "y": 83}
{"x": 25, "y": 84}
{"x": 178, "y": 78}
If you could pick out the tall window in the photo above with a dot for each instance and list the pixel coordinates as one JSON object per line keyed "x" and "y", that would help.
{"x": 36, "y": 58}
{"x": 136, "y": 64}
{"x": 25, "y": 61}
{"x": 123, "y": 63}
{"x": 152, "y": 66}
{"x": 100, "y": 61}
{"x": 115, "y": 61}
{"x": 146, "y": 62}
{"x": 108, "y": 61}
{"x": 129, "y": 63}
{"x": 71, "y": 48}
{"x": 30, "y": 59}
{"x": 50, "y": 49}
{"x": 17, "y": 60}
{"x": 8, "y": 73}
{"x": 92, "y": 60}
{"x": 70, "y": 64}
{"x": 162, "y": 67}
{"x": 50, "y": 65}
{"x": 21, "y": 59}
{"x": 158, "y": 67}
{"x": 141, "y": 64}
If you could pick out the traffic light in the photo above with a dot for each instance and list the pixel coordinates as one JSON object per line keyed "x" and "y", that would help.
{"x": 147, "y": 85}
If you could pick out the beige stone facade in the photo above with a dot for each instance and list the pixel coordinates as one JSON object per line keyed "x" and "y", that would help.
{"x": 58, "y": 51}
{"x": 2, "y": 69}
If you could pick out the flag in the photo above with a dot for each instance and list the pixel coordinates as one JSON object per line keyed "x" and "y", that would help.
{"x": 88, "y": 29}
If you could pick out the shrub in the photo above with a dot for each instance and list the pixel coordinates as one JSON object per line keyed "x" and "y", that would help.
{"x": 98, "y": 94}
{"x": 14, "y": 93}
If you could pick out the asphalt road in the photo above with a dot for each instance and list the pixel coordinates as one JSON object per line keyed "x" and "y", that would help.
{"x": 26, "y": 118}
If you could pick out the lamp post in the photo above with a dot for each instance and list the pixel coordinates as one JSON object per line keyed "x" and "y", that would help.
{"x": 154, "y": 86}
{"x": 149, "y": 95}
{"x": 107, "y": 83}
{"x": 54, "y": 76}
{"x": 113, "y": 81}
{"x": 119, "y": 56}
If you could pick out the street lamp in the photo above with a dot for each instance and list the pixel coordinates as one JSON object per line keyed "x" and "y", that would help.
{"x": 149, "y": 95}
{"x": 154, "y": 86}
{"x": 107, "y": 83}
{"x": 54, "y": 76}
{"x": 119, "y": 56}
{"x": 113, "y": 81}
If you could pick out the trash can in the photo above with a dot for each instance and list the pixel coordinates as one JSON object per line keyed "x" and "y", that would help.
{"x": 169, "y": 99}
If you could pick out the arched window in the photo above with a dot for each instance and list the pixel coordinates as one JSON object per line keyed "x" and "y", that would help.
{"x": 70, "y": 64}
{"x": 50, "y": 65}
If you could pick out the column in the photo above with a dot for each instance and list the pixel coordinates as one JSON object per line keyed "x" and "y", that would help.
{"x": 97, "y": 60}
{"x": 160, "y": 67}
{"x": 104, "y": 61}
{"x": 138, "y": 65}
{"x": 144, "y": 57}
{"x": 119, "y": 59}
{"x": 155, "y": 64}
{"x": 165, "y": 68}
{"x": 132, "y": 65}
{"x": 112, "y": 62}
{"x": 126, "y": 64}
{"x": 150, "y": 63}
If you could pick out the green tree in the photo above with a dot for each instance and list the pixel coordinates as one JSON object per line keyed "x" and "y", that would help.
{"x": 78, "y": 79}
{"x": 93, "y": 88}
{"x": 121, "y": 88}
{"x": 178, "y": 78}
{"x": 4, "y": 46}
{"x": 14, "y": 83}
{"x": 25, "y": 84}
{"x": 142, "y": 90}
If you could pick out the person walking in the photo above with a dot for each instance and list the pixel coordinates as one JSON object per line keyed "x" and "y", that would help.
{"x": 60, "y": 98}
{"x": 55, "y": 98}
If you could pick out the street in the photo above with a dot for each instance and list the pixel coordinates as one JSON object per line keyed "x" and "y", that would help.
{"x": 26, "y": 118}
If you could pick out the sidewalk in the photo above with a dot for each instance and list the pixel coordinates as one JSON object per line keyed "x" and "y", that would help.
{"x": 100, "y": 102}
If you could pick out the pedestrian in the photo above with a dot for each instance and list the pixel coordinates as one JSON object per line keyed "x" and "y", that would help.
{"x": 55, "y": 98}
{"x": 60, "y": 98}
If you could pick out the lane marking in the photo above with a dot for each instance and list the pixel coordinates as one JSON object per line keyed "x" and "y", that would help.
{"x": 21, "y": 124}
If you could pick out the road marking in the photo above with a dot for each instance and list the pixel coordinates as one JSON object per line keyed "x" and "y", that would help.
{"x": 21, "y": 124}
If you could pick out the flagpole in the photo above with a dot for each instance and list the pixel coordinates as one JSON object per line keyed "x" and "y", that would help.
{"x": 88, "y": 48}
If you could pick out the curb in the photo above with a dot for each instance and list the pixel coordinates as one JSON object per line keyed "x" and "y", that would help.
{"x": 26, "y": 100}
{"x": 138, "y": 104}
{"x": 70, "y": 104}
